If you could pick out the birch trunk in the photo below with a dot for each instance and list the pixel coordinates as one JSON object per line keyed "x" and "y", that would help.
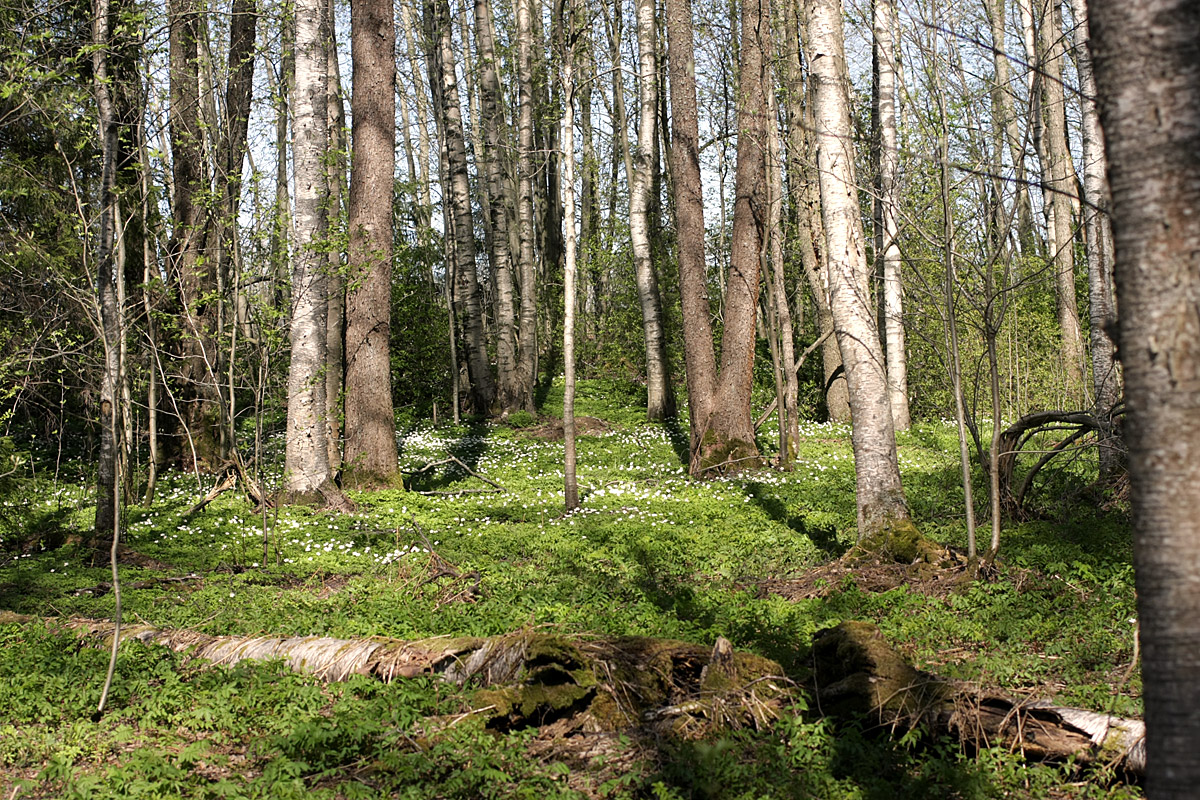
{"x": 458, "y": 195}
{"x": 1057, "y": 173}
{"x": 306, "y": 463}
{"x": 570, "y": 479}
{"x": 810, "y": 231}
{"x": 1147, "y": 69}
{"x": 508, "y": 380}
{"x": 659, "y": 397}
{"x": 421, "y": 102}
{"x": 887, "y": 249}
{"x": 1007, "y": 120}
{"x": 109, "y": 271}
{"x": 1106, "y": 382}
{"x": 879, "y": 494}
{"x": 371, "y": 455}
{"x": 527, "y": 327}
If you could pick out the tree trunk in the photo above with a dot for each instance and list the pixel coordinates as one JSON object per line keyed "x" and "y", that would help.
{"x": 424, "y": 148}
{"x": 371, "y": 456}
{"x": 887, "y": 248}
{"x": 567, "y": 72}
{"x": 335, "y": 325}
{"x": 458, "y": 195}
{"x": 687, "y": 188}
{"x": 810, "y": 231}
{"x": 727, "y": 441}
{"x": 660, "y": 401}
{"x": 527, "y": 326}
{"x": 109, "y": 271}
{"x": 879, "y": 494}
{"x": 491, "y": 163}
{"x": 1147, "y": 69}
{"x": 194, "y": 273}
{"x": 1006, "y": 119}
{"x": 306, "y": 464}
{"x": 1106, "y": 381}
{"x": 1062, "y": 189}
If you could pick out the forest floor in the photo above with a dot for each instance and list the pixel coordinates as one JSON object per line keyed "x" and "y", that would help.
{"x": 650, "y": 553}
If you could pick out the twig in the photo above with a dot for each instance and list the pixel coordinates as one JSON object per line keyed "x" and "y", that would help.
{"x": 454, "y": 460}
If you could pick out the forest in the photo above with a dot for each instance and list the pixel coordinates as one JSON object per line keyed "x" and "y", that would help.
{"x": 550, "y": 398}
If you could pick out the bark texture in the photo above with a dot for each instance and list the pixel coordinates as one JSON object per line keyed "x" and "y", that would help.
{"x": 306, "y": 463}
{"x": 660, "y": 401}
{"x": 370, "y": 450}
{"x": 879, "y": 494}
{"x": 887, "y": 248}
{"x": 458, "y": 194}
{"x": 1147, "y": 68}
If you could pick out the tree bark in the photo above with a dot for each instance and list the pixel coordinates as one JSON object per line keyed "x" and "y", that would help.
{"x": 727, "y": 441}
{"x": 660, "y": 400}
{"x": 370, "y": 421}
{"x": 335, "y": 308}
{"x": 887, "y": 248}
{"x": 458, "y": 194}
{"x": 306, "y": 462}
{"x": 879, "y": 494}
{"x": 527, "y": 326}
{"x": 687, "y": 188}
{"x": 1106, "y": 381}
{"x": 1057, "y": 175}
{"x": 1006, "y": 119}
{"x": 491, "y": 163}
{"x": 1147, "y": 69}
{"x": 109, "y": 270}
{"x": 567, "y": 72}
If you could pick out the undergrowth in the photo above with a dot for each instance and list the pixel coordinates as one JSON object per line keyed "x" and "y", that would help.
{"x": 651, "y": 552}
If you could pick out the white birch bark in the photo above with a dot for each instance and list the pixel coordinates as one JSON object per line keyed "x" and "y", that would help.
{"x": 887, "y": 248}
{"x": 658, "y": 402}
{"x": 306, "y": 463}
{"x": 879, "y": 494}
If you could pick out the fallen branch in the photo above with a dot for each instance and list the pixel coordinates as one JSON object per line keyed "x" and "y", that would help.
{"x": 454, "y": 460}
{"x": 531, "y": 677}
{"x": 105, "y": 587}
{"x": 808, "y": 351}
{"x": 857, "y": 672}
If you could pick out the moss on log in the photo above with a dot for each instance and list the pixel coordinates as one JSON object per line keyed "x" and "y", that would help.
{"x": 858, "y": 673}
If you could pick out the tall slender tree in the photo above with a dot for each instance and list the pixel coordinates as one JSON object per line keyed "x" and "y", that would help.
{"x": 719, "y": 400}
{"x": 887, "y": 246}
{"x": 370, "y": 422}
{"x": 660, "y": 397}
{"x": 1147, "y": 69}
{"x": 444, "y": 82}
{"x": 879, "y": 494}
{"x": 307, "y": 471}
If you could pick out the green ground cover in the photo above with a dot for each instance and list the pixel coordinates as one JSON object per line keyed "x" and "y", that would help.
{"x": 651, "y": 552}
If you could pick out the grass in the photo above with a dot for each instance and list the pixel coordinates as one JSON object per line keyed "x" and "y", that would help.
{"x": 651, "y": 552}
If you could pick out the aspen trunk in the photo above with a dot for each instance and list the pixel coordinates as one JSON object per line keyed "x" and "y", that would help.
{"x": 570, "y": 479}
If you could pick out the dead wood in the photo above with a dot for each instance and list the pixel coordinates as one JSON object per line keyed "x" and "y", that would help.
{"x": 105, "y": 587}
{"x": 459, "y": 462}
{"x": 527, "y": 678}
{"x": 857, "y": 672}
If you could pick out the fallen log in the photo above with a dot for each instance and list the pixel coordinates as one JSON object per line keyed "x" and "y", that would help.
{"x": 858, "y": 673}
{"x": 527, "y": 678}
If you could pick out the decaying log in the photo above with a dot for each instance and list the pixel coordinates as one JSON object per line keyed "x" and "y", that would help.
{"x": 526, "y": 678}
{"x": 857, "y": 672}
